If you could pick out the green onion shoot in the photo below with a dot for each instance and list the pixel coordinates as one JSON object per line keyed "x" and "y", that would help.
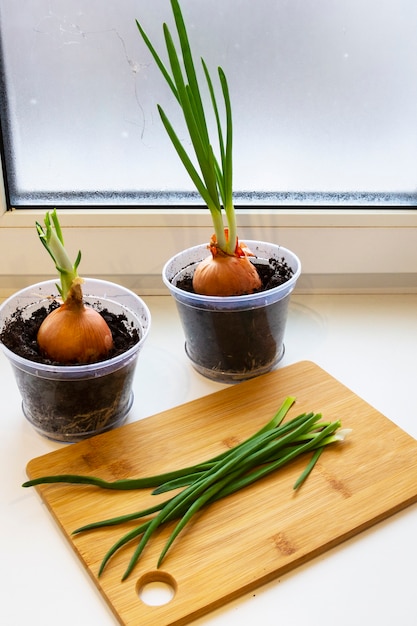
{"x": 227, "y": 271}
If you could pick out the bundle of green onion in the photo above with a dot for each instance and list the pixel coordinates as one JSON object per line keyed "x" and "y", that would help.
{"x": 270, "y": 448}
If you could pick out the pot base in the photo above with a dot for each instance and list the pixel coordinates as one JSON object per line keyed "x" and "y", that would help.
{"x": 231, "y": 377}
{"x": 66, "y": 436}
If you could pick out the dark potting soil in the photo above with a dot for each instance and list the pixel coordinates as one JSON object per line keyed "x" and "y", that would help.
{"x": 272, "y": 274}
{"x": 71, "y": 409}
{"x": 233, "y": 345}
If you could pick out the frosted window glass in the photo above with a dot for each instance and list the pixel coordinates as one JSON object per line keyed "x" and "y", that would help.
{"x": 324, "y": 99}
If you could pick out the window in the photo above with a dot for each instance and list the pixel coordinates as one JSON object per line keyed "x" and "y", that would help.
{"x": 323, "y": 95}
{"x": 325, "y": 123}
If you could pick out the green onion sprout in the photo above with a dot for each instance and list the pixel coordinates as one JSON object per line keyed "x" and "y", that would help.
{"x": 73, "y": 333}
{"x": 212, "y": 175}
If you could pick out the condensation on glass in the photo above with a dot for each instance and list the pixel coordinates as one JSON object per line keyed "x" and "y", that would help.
{"x": 324, "y": 99}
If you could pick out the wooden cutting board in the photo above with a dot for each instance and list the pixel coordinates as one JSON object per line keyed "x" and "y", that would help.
{"x": 254, "y": 535}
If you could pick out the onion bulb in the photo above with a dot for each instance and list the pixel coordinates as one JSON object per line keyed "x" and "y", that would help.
{"x": 222, "y": 274}
{"x": 74, "y": 333}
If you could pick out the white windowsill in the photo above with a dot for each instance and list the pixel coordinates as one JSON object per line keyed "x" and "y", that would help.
{"x": 341, "y": 250}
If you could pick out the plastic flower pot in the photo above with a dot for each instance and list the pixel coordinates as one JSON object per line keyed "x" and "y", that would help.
{"x": 233, "y": 338}
{"x": 69, "y": 403}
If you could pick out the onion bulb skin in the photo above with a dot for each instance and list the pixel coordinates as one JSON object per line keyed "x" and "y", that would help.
{"x": 74, "y": 334}
{"x": 224, "y": 274}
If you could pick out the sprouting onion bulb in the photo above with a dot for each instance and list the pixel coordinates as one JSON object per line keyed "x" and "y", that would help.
{"x": 222, "y": 274}
{"x": 73, "y": 333}
{"x": 226, "y": 272}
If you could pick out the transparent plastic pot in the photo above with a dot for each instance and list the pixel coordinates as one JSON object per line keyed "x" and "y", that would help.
{"x": 69, "y": 403}
{"x": 233, "y": 338}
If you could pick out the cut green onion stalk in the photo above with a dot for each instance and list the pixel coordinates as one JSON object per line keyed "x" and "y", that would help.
{"x": 228, "y": 270}
{"x": 74, "y": 332}
{"x": 270, "y": 448}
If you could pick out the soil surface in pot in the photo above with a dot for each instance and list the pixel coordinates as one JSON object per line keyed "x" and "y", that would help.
{"x": 272, "y": 274}
{"x": 19, "y": 334}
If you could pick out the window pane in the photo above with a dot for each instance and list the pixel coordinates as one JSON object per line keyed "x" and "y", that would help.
{"x": 324, "y": 99}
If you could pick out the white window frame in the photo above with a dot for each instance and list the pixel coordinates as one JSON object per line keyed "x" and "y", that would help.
{"x": 342, "y": 249}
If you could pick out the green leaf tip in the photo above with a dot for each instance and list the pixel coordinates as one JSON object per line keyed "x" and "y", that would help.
{"x": 52, "y": 238}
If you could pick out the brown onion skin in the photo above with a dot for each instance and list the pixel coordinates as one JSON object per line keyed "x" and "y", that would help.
{"x": 74, "y": 333}
{"x": 224, "y": 274}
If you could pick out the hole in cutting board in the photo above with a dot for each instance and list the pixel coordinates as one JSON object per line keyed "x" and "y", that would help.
{"x": 156, "y": 588}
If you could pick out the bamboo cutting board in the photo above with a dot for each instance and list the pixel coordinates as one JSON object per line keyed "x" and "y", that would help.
{"x": 254, "y": 535}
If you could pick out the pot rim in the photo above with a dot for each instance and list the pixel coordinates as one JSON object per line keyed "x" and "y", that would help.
{"x": 100, "y": 368}
{"x": 243, "y": 301}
